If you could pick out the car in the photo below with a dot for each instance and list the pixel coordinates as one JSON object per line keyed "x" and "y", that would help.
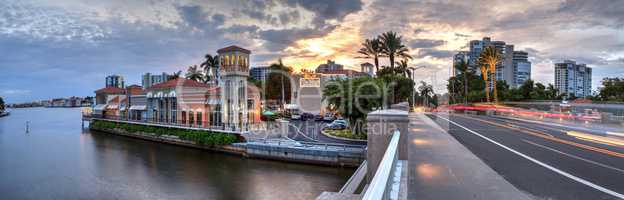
{"x": 329, "y": 117}
{"x": 295, "y": 116}
{"x": 306, "y": 116}
{"x": 336, "y": 126}
{"x": 340, "y": 121}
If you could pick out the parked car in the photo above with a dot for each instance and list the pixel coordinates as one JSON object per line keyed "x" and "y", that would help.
{"x": 338, "y": 125}
{"x": 318, "y": 117}
{"x": 306, "y": 116}
{"x": 329, "y": 116}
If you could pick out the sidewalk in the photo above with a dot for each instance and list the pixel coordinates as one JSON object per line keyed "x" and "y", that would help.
{"x": 442, "y": 168}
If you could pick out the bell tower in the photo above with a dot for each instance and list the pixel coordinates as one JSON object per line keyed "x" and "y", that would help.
{"x": 234, "y": 70}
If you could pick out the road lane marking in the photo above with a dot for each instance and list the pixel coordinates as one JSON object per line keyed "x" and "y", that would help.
{"x": 561, "y": 172}
{"x": 576, "y": 157}
{"x": 554, "y": 139}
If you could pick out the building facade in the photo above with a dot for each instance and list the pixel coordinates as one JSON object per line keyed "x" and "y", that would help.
{"x": 513, "y": 68}
{"x": 234, "y": 72}
{"x": 148, "y": 79}
{"x": 521, "y": 67}
{"x": 368, "y": 68}
{"x": 259, "y": 73}
{"x": 572, "y": 79}
{"x": 115, "y": 81}
{"x": 329, "y": 66}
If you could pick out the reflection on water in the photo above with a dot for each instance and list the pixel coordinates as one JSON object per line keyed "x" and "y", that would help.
{"x": 59, "y": 160}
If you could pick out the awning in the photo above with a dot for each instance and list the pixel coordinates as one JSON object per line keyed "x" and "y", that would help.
{"x": 138, "y": 107}
{"x": 112, "y": 106}
{"x": 100, "y": 107}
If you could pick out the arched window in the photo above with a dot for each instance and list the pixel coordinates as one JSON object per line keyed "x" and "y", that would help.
{"x": 227, "y": 60}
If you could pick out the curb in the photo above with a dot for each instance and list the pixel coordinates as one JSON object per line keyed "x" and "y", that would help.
{"x": 341, "y": 138}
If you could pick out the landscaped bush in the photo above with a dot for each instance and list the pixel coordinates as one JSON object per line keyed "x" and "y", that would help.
{"x": 345, "y": 133}
{"x": 201, "y": 137}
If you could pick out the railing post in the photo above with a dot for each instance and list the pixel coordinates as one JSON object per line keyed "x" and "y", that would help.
{"x": 381, "y": 125}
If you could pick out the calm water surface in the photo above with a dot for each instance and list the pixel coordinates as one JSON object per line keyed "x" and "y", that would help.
{"x": 59, "y": 160}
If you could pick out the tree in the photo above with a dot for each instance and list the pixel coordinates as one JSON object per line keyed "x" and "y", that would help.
{"x": 525, "y": 90}
{"x": 392, "y": 46}
{"x": 551, "y": 92}
{"x": 175, "y": 75}
{"x": 612, "y": 89}
{"x": 355, "y": 97}
{"x": 484, "y": 75}
{"x": 278, "y": 85}
{"x": 371, "y": 48}
{"x": 402, "y": 69}
{"x": 426, "y": 91}
{"x": 193, "y": 73}
{"x": 491, "y": 56}
{"x": 210, "y": 66}
{"x": 462, "y": 67}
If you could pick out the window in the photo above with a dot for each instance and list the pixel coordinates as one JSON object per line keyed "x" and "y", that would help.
{"x": 199, "y": 118}
{"x": 191, "y": 118}
{"x": 183, "y": 117}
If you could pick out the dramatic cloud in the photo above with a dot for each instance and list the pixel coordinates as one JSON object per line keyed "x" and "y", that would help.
{"x": 75, "y": 43}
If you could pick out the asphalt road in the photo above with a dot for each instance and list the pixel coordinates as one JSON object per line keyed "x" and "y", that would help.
{"x": 541, "y": 160}
{"x": 310, "y": 131}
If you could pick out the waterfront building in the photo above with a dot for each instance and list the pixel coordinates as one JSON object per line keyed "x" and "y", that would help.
{"x": 234, "y": 72}
{"x": 368, "y": 68}
{"x": 329, "y": 66}
{"x": 148, "y": 79}
{"x": 572, "y": 79}
{"x": 177, "y": 101}
{"x": 115, "y": 81}
{"x": 107, "y": 101}
{"x": 259, "y": 73}
{"x": 522, "y": 67}
{"x": 136, "y": 101}
{"x": 513, "y": 68}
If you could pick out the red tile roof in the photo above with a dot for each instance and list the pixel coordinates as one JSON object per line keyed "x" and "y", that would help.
{"x": 110, "y": 90}
{"x": 178, "y": 82}
{"x": 233, "y": 48}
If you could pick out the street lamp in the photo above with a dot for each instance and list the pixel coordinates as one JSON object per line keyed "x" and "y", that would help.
{"x": 414, "y": 86}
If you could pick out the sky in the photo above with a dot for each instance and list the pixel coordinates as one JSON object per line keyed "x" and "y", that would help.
{"x": 61, "y": 48}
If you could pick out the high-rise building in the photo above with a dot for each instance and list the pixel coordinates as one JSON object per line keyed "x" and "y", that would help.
{"x": 368, "y": 68}
{"x": 573, "y": 79}
{"x": 259, "y": 73}
{"x": 522, "y": 67}
{"x": 508, "y": 70}
{"x": 148, "y": 79}
{"x": 458, "y": 58}
{"x": 115, "y": 81}
{"x": 329, "y": 66}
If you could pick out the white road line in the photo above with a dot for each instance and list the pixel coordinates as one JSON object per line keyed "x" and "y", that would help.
{"x": 576, "y": 157}
{"x": 561, "y": 172}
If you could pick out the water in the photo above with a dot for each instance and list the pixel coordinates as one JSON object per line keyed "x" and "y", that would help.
{"x": 59, "y": 160}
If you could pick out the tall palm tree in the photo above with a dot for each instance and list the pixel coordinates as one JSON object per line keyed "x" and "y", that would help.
{"x": 194, "y": 74}
{"x": 484, "y": 75}
{"x": 392, "y": 46}
{"x": 462, "y": 67}
{"x": 371, "y": 48}
{"x": 403, "y": 69}
{"x": 491, "y": 56}
{"x": 175, "y": 75}
{"x": 210, "y": 66}
{"x": 425, "y": 89}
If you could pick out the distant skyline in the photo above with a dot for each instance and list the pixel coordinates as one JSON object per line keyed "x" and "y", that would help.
{"x": 61, "y": 48}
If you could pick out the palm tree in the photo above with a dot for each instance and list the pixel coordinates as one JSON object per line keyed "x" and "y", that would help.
{"x": 425, "y": 90}
{"x": 210, "y": 67}
{"x": 194, "y": 74}
{"x": 371, "y": 48}
{"x": 491, "y": 56}
{"x": 484, "y": 75}
{"x": 392, "y": 47}
{"x": 403, "y": 69}
{"x": 462, "y": 67}
{"x": 175, "y": 75}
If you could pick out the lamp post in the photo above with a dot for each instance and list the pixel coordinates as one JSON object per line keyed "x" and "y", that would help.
{"x": 414, "y": 86}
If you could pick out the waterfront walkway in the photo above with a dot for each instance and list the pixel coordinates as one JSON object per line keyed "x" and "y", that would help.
{"x": 442, "y": 168}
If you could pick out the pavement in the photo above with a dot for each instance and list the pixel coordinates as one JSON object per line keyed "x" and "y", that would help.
{"x": 539, "y": 159}
{"x": 439, "y": 167}
{"x": 310, "y": 131}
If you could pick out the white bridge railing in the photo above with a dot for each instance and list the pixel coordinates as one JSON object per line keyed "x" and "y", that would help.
{"x": 385, "y": 184}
